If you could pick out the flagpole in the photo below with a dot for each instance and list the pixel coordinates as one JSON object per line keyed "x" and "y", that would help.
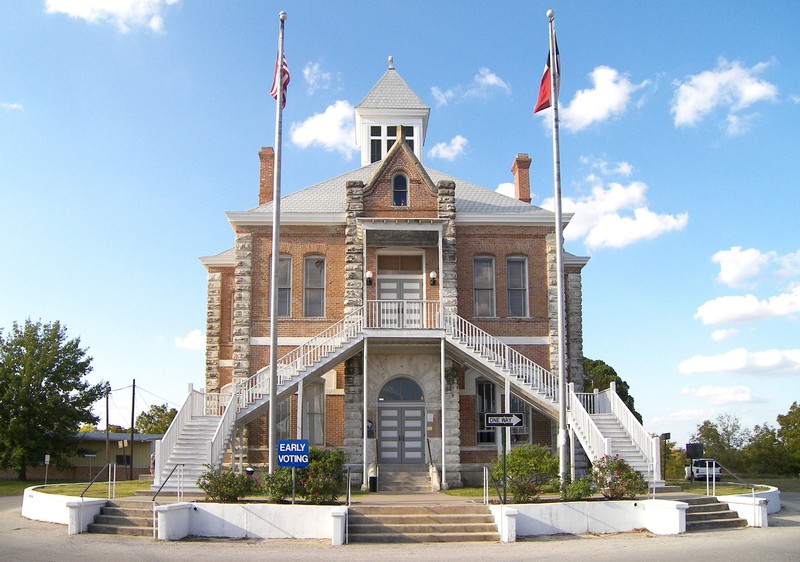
{"x": 562, "y": 377}
{"x": 276, "y": 232}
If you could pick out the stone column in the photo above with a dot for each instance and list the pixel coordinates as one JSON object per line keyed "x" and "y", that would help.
{"x": 446, "y": 193}
{"x": 353, "y": 410}
{"x": 243, "y": 280}
{"x": 552, "y": 302}
{"x": 353, "y": 257}
{"x": 213, "y": 330}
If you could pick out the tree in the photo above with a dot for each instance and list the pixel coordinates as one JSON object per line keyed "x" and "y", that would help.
{"x": 789, "y": 434}
{"x": 599, "y": 375}
{"x": 723, "y": 440}
{"x": 87, "y": 428}
{"x": 156, "y": 419}
{"x": 43, "y": 397}
{"x": 764, "y": 453}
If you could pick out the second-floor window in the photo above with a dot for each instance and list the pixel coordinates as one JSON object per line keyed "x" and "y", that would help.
{"x": 399, "y": 191}
{"x": 284, "y": 286}
{"x": 314, "y": 287}
{"x": 483, "y": 286}
{"x": 517, "y": 286}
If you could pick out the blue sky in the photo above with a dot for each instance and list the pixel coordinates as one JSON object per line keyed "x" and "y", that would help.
{"x": 128, "y": 128}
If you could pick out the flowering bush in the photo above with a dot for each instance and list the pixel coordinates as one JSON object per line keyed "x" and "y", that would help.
{"x": 529, "y": 468}
{"x": 578, "y": 489}
{"x": 225, "y": 486}
{"x": 324, "y": 479}
{"x": 616, "y": 479}
{"x": 278, "y": 485}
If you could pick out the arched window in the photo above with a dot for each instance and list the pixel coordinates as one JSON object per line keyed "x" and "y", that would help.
{"x": 399, "y": 191}
{"x": 401, "y": 389}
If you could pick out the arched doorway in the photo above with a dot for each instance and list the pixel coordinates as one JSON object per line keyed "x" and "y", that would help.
{"x": 401, "y": 422}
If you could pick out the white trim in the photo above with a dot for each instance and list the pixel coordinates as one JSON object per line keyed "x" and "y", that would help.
{"x": 260, "y": 218}
{"x": 511, "y": 219}
{"x": 226, "y": 362}
{"x": 219, "y": 261}
{"x": 295, "y": 341}
{"x": 525, "y": 340}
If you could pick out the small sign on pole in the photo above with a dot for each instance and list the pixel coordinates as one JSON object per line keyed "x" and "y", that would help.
{"x": 504, "y": 420}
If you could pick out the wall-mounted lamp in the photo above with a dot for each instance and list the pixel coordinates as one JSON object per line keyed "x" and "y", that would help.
{"x": 368, "y": 275}
{"x": 433, "y": 278}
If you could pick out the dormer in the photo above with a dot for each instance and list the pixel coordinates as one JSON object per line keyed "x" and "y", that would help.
{"x": 389, "y": 105}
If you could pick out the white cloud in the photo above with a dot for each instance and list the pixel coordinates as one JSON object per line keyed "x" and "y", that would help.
{"x": 615, "y": 216}
{"x": 315, "y": 78}
{"x": 507, "y": 189}
{"x": 720, "y": 335}
{"x": 621, "y": 168}
{"x": 790, "y": 265}
{"x": 194, "y": 340}
{"x": 11, "y": 106}
{"x": 721, "y": 395}
{"x": 747, "y": 308}
{"x": 609, "y": 97}
{"x": 125, "y": 14}
{"x": 737, "y": 265}
{"x": 483, "y": 85}
{"x": 794, "y": 98}
{"x": 449, "y": 151}
{"x": 742, "y": 361}
{"x": 332, "y": 129}
{"x": 730, "y": 85}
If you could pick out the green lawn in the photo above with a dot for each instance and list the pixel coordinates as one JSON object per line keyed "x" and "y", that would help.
{"x": 125, "y": 488}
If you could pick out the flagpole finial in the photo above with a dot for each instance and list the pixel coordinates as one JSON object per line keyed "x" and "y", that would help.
{"x": 282, "y": 15}
{"x": 550, "y": 15}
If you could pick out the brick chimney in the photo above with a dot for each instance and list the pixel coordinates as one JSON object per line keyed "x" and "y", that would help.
{"x": 522, "y": 179}
{"x": 266, "y": 178}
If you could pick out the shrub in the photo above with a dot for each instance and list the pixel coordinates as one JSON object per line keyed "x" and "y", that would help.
{"x": 225, "y": 486}
{"x": 324, "y": 479}
{"x": 529, "y": 468}
{"x": 576, "y": 490}
{"x": 278, "y": 485}
{"x": 616, "y": 479}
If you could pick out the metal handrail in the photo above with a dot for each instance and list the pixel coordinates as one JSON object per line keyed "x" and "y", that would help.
{"x": 180, "y": 482}
{"x": 107, "y": 465}
{"x": 488, "y": 476}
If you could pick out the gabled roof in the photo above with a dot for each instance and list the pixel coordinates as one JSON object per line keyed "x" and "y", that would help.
{"x": 391, "y": 92}
{"x": 473, "y": 203}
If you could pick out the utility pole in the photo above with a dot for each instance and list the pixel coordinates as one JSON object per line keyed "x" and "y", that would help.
{"x": 108, "y": 391}
{"x": 133, "y": 403}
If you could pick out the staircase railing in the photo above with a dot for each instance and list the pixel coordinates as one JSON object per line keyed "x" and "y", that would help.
{"x": 649, "y": 446}
{"x": 217, "y": 445}
{"x": 493, "y": 350}
{"x": 303, "y": 356}
{"x": 580, "y": 406}
{"x": 192, "y": 406}
{"x": 404, "y": 314}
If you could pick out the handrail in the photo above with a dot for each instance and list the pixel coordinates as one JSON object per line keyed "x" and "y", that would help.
{"x": 107, "y": 465}
{"x": 487, "y": 476}
{"x": 403, "y": 314}
{"x": 170, "y": 438}
{"x": 581, "y": 419}
{"x": 180, "y": 482}
{"x": 303, "y": 356}
{"x": 646, "y": 443}
{"x": 521, "y": 369}
{"x": 216, "y": 448}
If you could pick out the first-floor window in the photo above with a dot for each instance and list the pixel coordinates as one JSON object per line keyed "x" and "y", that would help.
{"x": 521, "y": 434}
{"x": 484, "y": 404}
{"x": 284, "y": 419}
{"x": 314, "y": 406}
{"x": 314, "y": 287}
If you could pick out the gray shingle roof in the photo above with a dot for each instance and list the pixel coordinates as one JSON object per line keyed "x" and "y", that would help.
{"x": 329, "y": 197}
{"x": 391, "y": 92}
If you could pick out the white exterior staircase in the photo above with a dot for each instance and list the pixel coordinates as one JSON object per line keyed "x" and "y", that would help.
{"x": 202, "y": 430}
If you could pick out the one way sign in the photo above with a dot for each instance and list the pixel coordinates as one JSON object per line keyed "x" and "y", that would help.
{"x": 503, "y": 420}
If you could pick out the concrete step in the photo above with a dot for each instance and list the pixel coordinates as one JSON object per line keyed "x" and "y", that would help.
{"x": 709, "y": 513}
{"x": 132, "y": 531}
{"x": 124, "y": 520}
{"x": 715, "y": 524}
{"x": 415, "y": 524}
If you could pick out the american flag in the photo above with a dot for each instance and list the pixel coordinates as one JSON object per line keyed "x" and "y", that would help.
{"x": 285, "y": 81}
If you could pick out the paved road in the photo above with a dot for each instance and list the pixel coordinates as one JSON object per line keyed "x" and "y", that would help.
{"x": 23, "y": 540}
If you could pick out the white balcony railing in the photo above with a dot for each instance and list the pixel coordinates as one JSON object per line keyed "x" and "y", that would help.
{"x": 404, "y": 314}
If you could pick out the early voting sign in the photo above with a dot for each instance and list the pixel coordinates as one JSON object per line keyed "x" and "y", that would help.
{"x": 293, "y": 453}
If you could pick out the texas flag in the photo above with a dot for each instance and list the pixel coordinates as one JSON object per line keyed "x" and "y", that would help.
{"x": 284, "y": 70}
{"x": 545, "y": 94}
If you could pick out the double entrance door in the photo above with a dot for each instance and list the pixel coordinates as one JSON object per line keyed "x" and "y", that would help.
{"x": 400, "y": 303}
{"x": 401, "y": 433}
